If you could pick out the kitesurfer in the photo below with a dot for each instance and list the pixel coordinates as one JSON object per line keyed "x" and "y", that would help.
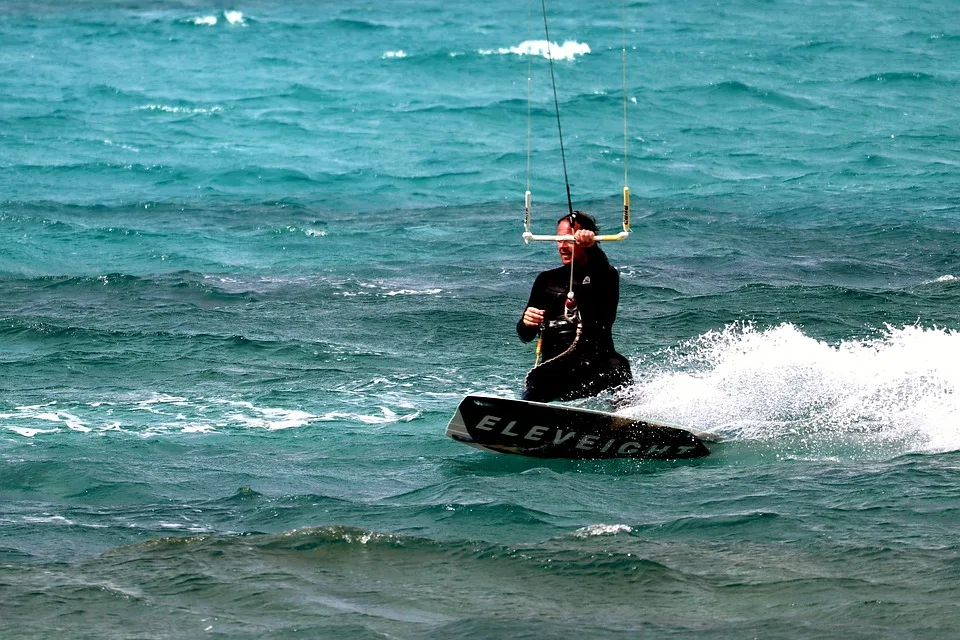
{"x": 577, "y": 356}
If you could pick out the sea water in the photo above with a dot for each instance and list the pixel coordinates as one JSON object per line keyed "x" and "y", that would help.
{"x": 252, "y": 255}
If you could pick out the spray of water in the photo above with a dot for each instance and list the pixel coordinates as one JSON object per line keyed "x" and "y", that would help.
{"x": 899, "y": 388}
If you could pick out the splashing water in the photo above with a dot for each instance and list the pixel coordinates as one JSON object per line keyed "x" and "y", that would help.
{"x": 898, "y": 388}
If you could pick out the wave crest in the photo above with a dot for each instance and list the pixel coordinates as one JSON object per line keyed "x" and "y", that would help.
{"x": 569, "y": 50}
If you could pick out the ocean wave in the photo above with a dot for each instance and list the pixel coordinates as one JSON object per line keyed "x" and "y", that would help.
{"x": 898, "y": 77}
{"x": 39, "y": 332}
{"x": 734, "y": 88}
{"x": 211, "y": 287}
{"x": 228, "y": 17}
{"x": 259, "y": 176}
{"x": 819, "y": 46}
{"x": 97, "y": 169}
{"x": 277, "y": 59}
{"x": 721, "y": 521}
{"x": 947, "y": 37}
{"x": 309, "y": 231}
{"x": 361, "y": 582}
{"x": 341, "y": 541}
{"x": 356, "y": 24}
{"x": 296, "y": 91}
{"x": 509, "y": 105}
{"x": 187, "y": 288}
{"x": 54, "y": 117}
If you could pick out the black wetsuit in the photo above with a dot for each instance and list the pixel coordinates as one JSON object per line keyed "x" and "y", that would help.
{"x": 593, "y": 365}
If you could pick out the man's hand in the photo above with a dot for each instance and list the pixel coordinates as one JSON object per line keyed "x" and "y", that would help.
{"x": 533, "y": 317}
{"x": 585, "y": 238}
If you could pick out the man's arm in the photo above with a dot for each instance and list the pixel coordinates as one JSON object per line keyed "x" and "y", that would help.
{"x": 529, "y": 324}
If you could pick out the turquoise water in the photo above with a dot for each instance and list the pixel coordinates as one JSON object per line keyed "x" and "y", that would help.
{"x": 253, "y": 256}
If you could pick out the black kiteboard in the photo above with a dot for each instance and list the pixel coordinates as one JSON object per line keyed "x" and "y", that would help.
{"x": 544, "y": 430}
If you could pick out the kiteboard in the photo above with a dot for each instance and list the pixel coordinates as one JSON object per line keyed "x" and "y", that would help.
{"x": 541, "y": 430}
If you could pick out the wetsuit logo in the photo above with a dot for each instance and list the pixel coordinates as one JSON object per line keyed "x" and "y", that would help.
{"x": 586, "y": 280}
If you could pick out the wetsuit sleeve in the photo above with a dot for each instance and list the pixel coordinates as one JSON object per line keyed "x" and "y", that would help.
{"x": 536, "y": 300}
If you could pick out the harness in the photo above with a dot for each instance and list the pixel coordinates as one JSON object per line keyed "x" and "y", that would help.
{"x": 560, "y": 328}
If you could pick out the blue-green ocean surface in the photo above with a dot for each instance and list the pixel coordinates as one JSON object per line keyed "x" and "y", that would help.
{"x": 253, "y": 255}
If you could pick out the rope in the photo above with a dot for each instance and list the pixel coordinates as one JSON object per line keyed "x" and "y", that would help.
{"x": 569, "y": 312}
{"x": 624, "y": 60}
{"x": 569, "y": 350}
{"x": 556, "y": 104}
{"x": 529, "y": 108}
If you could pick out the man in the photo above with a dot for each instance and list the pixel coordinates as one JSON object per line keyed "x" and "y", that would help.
{"x": 576, "y": 354}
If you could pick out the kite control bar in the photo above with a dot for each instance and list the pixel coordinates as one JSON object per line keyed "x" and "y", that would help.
{"x": 623, "y": 235}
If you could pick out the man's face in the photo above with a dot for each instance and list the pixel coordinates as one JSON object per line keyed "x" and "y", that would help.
{"x": 567, "y": 249}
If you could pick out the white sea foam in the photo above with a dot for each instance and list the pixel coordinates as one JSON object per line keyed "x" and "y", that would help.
{"x": 125, "y": 147}
{"x": 174, "y": 109}
{"x": 567, "y": 51}
{"x": 385, "y": 291}
{"x": 394, "y": 54}
{"x": 36, "y": 407}
{"x": 592, "y": 530}
{"x": 271, "y": 418}
{"x": 194, "y": 427}
{"x": 902, "y": 386}
{"x": 73, "y": 422}
{"x": 413, "y": 292}
{"x": 39, "y": 412}
{"x": 48, "y": 519}
{"x": 167, "y": 413}
{"x": 387, "y": 417}
{"x": 235, "y": 17}
{"x": 159, "y": 399}
{"x": 231, "y": 16}
{"x": 27, "y": 432}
